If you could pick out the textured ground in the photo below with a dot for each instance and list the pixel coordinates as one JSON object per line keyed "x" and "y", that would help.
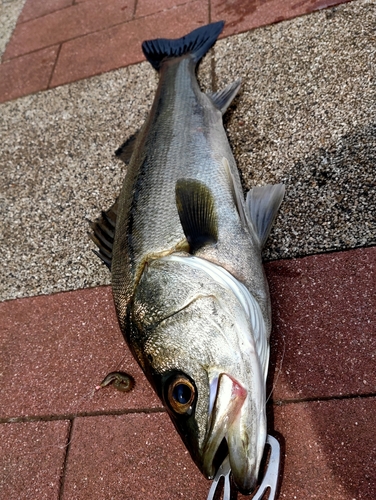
{"x": 73, "y": 87}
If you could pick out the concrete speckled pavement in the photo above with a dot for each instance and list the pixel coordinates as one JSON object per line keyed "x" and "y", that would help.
{"x": 73, "y": 87}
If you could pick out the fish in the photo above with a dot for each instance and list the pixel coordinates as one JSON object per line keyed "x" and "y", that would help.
{"x": 184, "y": 247}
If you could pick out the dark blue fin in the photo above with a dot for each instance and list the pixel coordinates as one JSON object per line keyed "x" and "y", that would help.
{"x": 197, "y": 213}
{"x": 196, "y": 43}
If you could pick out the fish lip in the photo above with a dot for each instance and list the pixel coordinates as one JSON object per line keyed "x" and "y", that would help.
{"x": 226, "y": 425}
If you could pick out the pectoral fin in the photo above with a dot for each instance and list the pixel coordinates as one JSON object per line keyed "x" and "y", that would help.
{"x": 104, "y": 233}
{"x": 262, "y": 204}
{"x": 223, "y": 98}
{"x": 198, "y": 217}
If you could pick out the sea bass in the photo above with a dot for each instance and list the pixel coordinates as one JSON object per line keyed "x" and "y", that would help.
{"x": 188, "y": 283}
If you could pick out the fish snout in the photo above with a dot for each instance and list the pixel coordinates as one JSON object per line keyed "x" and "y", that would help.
{"x": 235, "y": 429}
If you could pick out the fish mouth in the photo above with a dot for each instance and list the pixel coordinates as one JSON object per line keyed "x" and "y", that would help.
{"x": 228, "y": 435}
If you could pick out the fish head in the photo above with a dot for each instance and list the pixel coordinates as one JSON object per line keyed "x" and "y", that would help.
{"x": 198, "y": 351}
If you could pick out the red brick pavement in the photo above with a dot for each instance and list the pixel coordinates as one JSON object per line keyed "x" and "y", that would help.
{"x": 61, "y": 41}
{"x": 106, "y": 444}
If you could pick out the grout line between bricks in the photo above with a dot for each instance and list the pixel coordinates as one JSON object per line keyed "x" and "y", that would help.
{"x": 134, "y": 10}
{"x": 54, "y": 66}
{"x": 65, "y": 461}
{"x": 44, "y": 15}
{"x": 283, "y": 402}
{"x": 71, "y": 416}
{"x": 371, "y": 244}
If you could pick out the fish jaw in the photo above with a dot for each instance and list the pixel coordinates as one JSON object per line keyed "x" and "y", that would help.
{"x": 243, "y": 430}
{"x": 229, "y": 399}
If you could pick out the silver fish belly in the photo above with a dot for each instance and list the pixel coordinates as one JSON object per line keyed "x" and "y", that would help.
{"x": 188, "y": 283}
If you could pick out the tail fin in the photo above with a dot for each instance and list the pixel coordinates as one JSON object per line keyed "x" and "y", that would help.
{"x": 197, "y": 43}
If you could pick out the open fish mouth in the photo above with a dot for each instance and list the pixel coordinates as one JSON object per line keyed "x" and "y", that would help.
{"x": 227, "y": 435}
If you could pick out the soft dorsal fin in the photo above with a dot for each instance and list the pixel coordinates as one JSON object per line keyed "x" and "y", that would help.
{"x": 125, "y": 151}
{"x": 198, "y": 216}
{"x": 237, "y": 195}
{"x": 262, "y": 204}
{"x": 104, "y": 233}
{"x": 223, "y": 98}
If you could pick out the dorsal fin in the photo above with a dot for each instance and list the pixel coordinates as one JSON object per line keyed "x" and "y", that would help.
{"x": 104, "y": 233}
{"x": 237, "y": 195}
{"x": 223, "y": 98}
{"x": 198, "y": 216}
{"x": 125, "y": 151}
{"x": 262, "y": 204}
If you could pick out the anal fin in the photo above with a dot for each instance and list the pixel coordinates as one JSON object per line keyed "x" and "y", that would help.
{"x": 197, "y": 213}
{"x": 262, "y": 205}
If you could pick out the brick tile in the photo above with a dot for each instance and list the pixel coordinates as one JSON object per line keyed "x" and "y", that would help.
{"x": 55, "y": 349}
{"x": 121, "y": 45}
{"x": 31, "y": 459}
{"x": 243, "y": 16}
{"x": 27, "y": 74}
{"x": 147, "y": 7}
{"x": 323, "y": 307}
{"x": 136, "y": 456}
{"x": 324, "y": 312}
{"x": 38, "y": 8}
{"x": 328, "y": 452}
{"x": 66, "y": 24}
{"x": 329, "y": 449}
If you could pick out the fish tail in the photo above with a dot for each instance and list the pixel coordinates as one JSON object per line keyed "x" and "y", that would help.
{"x": 196, "y": 43}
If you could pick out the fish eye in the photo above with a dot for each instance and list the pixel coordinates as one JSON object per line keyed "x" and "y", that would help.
{"x": 181, "y": 394}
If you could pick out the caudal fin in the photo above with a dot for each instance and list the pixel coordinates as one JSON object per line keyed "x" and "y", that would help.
{"x": 197, "y": 43}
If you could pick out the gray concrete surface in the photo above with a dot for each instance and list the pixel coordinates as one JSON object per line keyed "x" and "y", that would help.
{"x": 59, "y": 170}
{"x": 306, "y": 116}
{"x": 9, "y": 12}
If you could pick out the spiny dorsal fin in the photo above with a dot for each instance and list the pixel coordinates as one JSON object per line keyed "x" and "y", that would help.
{"x": 223, "y": 98}
{"x": 125, "y": 151}
{"x": 198, "y": 216}
{"x": 104, "y": 233}
{"x": 262, "y": 204}
{"x": 196, "y": 43}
